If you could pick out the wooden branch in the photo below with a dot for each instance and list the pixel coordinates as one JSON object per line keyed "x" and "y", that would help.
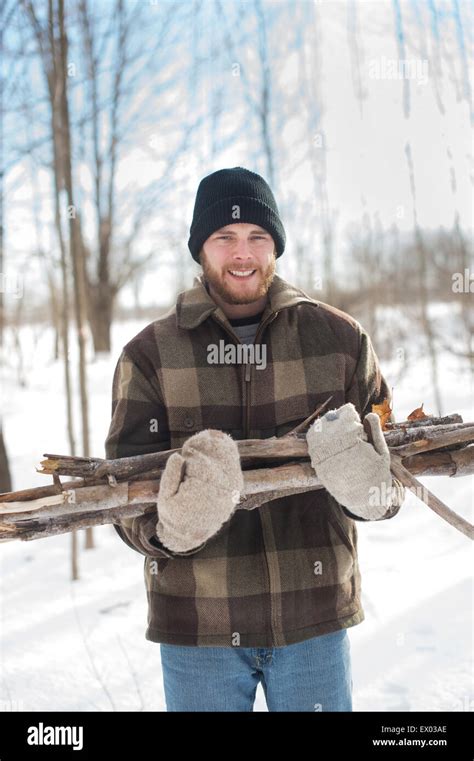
{"x": 453, "y": 463}
{"x": 252, "y": 452}
{"x": 405, "y": 442}
{"x": 302, "y": 426}
{"x": 430, "y": 499}
{"x": 109, "y": 490}
{"x": 96, "y": 505}
{"x": 83, "y": 506}
{"x": 436, "y": 439}
{"x": 405, "y": 435}
{"x": 429, "y": 420}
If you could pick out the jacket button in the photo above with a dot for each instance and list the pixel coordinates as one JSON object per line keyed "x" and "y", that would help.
{"x": 188, "y": 422}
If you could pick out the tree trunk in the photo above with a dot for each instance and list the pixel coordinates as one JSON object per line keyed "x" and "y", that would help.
{"x": 5, "y": 477}
{"x": 76, "y": 243}
{"x": 100, "y": 308}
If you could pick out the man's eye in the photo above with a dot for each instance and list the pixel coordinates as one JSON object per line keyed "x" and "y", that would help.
{"x": 229, "y": 237}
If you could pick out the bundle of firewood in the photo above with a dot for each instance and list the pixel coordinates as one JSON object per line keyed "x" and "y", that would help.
{"x": 104, "y": 491}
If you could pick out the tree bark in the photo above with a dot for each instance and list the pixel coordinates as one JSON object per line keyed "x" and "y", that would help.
{"x": 75, "y": 236}
{"x": 269, "y": 468}
{"x": 101, "y": 299}
{"x": 79, "y": 506}
{"x": 5, "y": 477}
{"x": 255, "y": 452}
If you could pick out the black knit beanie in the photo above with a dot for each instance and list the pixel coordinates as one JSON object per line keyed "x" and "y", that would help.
{"x": 234, "y": 195}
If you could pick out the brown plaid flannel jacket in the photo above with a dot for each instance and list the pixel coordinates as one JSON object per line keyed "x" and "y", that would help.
{"x": 288, "y": 570}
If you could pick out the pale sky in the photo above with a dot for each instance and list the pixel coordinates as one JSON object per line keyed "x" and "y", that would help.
{"x": 366, "y": 159}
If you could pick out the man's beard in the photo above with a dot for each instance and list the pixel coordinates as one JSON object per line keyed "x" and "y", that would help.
{"x": 215, "y": 279}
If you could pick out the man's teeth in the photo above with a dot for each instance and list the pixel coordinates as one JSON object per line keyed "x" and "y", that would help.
{"x": 242, "y": 273}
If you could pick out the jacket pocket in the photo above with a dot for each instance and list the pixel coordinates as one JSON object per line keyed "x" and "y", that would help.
{"x": 153, "y": 570}
{"x": 290, "y": 416}
{"x": 340, "y": 522}
{"x": 184, "y": 422}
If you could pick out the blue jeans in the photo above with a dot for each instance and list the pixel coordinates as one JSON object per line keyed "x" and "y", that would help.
{"x": 314, "y": 675}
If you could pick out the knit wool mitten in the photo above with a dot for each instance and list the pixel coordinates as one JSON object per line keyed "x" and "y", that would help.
{"x": 353, "y": 471}
{"x": 199, "y": 490}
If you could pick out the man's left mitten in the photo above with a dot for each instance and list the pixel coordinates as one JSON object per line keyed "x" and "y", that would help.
{"x": 355, "y": 472}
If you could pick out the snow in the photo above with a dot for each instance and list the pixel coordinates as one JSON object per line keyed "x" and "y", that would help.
{"x": 80, "y": 646}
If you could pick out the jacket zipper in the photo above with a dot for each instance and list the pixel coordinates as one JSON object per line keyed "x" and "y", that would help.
{"x": 247, "y": 381}
{"x": 247, "y": 375}
{"x": 246, "y": 389}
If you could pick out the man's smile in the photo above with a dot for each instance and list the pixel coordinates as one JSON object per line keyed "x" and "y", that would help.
{"x": 242, "y": 274}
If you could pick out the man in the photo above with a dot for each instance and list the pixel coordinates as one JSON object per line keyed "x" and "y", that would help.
{"x": 238, "y": 597}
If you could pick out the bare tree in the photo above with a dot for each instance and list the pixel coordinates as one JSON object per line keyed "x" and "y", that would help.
{"x": 314, "y": 108}
{"x": 75, "y": 237}
{"x": 111, "y": 120}
{"x": 52, "y": 46}
{"x": 101, "y": 289}
{"x": 5, "y": 478}
{"x": 423, "y": 287}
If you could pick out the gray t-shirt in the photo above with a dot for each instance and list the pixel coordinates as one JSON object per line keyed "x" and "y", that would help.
{"x": 246, "y": 327}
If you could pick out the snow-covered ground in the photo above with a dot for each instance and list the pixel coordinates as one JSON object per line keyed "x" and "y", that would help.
{"x": 81, "y": 646}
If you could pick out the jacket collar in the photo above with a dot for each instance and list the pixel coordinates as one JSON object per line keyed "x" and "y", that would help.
{"x": 196, "y": 305}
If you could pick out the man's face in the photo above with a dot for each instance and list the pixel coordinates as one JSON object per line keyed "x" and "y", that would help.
{"x": 238, "y": 262}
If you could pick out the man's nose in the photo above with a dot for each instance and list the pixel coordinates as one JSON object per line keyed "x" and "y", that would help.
{"x": 242, "y": 249}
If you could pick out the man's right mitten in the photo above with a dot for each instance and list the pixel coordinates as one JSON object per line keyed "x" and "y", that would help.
{"x": 199, "y": 490}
